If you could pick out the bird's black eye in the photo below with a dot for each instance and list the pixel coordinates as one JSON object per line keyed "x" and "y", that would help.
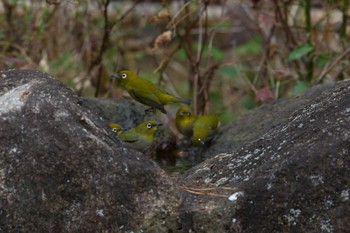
{"x": 114, "y": 130}
{"x": 123, "y": 75}
{"x": 149, "y": 125}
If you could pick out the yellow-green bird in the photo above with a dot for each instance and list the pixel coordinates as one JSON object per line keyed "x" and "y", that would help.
{"x": 118, "y": 129}
{"x": 204, "y": 128}
{"x": 184, "y": 120}
{"x": 145, "y": 91}
{"x": 140, "y": 137}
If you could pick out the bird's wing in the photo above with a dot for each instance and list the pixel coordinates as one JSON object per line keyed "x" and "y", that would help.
{"x": 129, "y": 136}
{"x": 144, "y": 89}
{"x": 147, "y": 96}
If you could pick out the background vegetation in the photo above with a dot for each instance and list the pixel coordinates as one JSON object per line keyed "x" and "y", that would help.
{"x": 227, "y": 56}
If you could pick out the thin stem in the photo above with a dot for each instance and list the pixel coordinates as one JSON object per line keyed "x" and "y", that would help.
{"x": 105, "y": 39}
{"x": 330, "y": 66}
{"x": 307, "y": 11}
{"x": 309, "y": 63}
{"x": 345, "y": 7}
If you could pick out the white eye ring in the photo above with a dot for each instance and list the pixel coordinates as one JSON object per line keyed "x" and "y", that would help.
{"x": 114, "y": 130}
{"x": 149, "y": 125}
{"x": 124, "y": 75}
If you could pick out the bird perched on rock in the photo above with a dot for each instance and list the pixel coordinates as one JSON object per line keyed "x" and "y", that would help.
{"x": 204, "y": 128}
{"x": 199, "y": 128}
{"x": 184, "y": 120}
{"x": 145, "y": 91}
{"x": 140, "y": 137}
{"x": 118, "y": 129}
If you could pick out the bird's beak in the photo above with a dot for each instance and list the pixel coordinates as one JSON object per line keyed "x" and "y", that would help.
{"x": 158, "y": 124}
{"x": 113, "y": 76}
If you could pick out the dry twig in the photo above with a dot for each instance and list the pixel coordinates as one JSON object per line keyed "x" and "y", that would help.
{"x": 205, "y": 191}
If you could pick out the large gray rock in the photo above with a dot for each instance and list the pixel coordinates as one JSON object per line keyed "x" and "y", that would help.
{"x": 62, "y": 170}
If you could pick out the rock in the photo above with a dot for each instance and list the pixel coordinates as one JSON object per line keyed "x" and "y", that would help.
{"x": 62, "y": 170}
{"x": 292, "y": 174}
{"x": 123, "y": 111}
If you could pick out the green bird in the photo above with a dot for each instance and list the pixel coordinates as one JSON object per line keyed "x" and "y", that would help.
{"x": 204, "y": 128}
{"x": 140, "y": 137}
{"x": 145, "y": 91}
{"x": 184, "y": 120}
{"x": 118, "y": 129}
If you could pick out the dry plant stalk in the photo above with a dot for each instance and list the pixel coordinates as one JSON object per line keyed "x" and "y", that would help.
{"x": 205, "y": 191}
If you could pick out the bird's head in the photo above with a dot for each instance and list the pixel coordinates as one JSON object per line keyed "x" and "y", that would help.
{"x": 118, "y": 129}
{"x": 183, "y": 112}
{"x": 148, "y": 128}
{"x": 124, "y": 76}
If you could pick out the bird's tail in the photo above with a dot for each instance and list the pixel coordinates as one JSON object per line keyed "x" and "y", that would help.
{"x": 184, "y": 100}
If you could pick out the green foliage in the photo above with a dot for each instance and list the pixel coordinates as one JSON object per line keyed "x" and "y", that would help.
{"x": 64, "y": 61}
{"x": 300, "y": 52}
{"x": 140, "y": 55}
{"x": 227, "y": 116}
{"x": 181, "y": 54}
{"x": 323, "y": 59}
{"x": 300, "y": 87}
{"x": 215, "y": 98}
{"x": 109, "y": 58}
{"x": 213, "y": 52}
{"x": 251, "y": 48}
{"x": 228, "y": 70}
{"x": 216, "y": 53}
{"x": 149, "y": 76}
{"x": 249, "y": 103}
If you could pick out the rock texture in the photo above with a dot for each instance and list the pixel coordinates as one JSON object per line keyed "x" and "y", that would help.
{"x": 257, "y": 122}
{"x": 131, "y": 114}
{"x": 62, "y": 170}
{"x": 283, "y": 167}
